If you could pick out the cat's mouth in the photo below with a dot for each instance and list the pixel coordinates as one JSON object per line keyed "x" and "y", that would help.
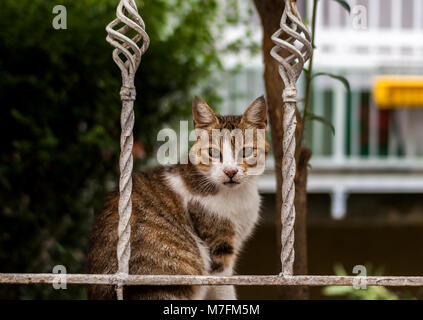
{"x": 231, "y": 182}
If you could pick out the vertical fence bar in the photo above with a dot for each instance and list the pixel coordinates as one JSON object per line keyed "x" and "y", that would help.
{"x": 373, "y": 14}
{"x": 373, "y": 129}
{"x": 418, "y": 15}
{"x": 355, "y": 136}
{"x": 128, "y": 49}
{"x": 393, "y": 135}
{"x": 396, "y": 15}
{"x": 319, "y": 99}
{"x": 334, "y": 15}
{"x": 291, "y": 31}
{"x": 339, "y": 108}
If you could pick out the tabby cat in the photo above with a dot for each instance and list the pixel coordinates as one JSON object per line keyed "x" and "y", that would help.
{"x": 187, "y": 219}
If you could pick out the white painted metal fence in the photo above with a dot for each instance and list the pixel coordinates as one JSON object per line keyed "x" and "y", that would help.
{"x": 128, "y": 56}
{"x": 377, "y": 33}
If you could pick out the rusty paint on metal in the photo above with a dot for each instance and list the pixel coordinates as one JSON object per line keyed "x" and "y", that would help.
{"x": 127, "y": 14}
{"x": 250, "y": 280}
{"x": 291, "y": 59}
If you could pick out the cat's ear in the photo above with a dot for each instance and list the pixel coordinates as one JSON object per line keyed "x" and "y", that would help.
{"x": 203, "y": 115}
{"x": 256, "y": 113}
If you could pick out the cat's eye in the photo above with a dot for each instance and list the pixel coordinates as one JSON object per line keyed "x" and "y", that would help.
{"x": 214, "y": 153}
{"x": 246, "y": 152}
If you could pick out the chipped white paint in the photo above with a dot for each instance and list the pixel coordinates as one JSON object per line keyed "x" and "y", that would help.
{"x": 205, "y": 256}
{"x": 128, "y": 96}
{"x": 127, "y": 13}
{"x": 292, "y": 32}
{"x": 251, "y": 280}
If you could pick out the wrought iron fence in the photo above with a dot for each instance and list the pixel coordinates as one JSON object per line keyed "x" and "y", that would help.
{"x": 127, "y": 55}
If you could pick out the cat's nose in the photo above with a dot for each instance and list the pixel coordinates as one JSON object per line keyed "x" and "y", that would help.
{"x": 230, "y": 172}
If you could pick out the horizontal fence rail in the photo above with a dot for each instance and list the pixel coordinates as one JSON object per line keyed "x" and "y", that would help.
{"x": 249, "y": 280}
{"x": 127, "y": 9}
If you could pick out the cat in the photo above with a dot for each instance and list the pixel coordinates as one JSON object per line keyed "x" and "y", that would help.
{"x": 187, "y": 219}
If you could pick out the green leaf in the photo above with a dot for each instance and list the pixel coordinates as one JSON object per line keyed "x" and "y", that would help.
{"x": 339, "y": 270}
{"x": 344, "y": 80}
{"x": 344, "y": 5}
{"x": 336, "y": 291}
{"x": 311, "y": 116}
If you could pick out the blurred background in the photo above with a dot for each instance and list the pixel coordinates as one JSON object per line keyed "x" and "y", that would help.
{"x": 60, "y": 130}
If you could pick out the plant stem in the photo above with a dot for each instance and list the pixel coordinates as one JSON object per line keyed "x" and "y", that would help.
{"x": 309, "y": 74}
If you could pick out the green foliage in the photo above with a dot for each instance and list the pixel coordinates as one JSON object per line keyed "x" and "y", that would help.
{"x": 340, "y": 78}
{"x": 310, "y": 76}
{"x": 370, "y": 293}
{"x": 344, "y": 5}
{"x": 244, "y": 42}
{"x": 60, "y": 107}
{"x": 314, "y": 117}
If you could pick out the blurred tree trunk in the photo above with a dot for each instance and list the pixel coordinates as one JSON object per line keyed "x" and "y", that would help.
{"x": 270, "y": 12}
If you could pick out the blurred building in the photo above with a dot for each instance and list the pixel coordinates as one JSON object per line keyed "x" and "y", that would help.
{"x": 377, "y": 149}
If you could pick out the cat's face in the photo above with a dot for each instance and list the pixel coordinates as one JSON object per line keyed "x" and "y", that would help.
{"x": 229, "y": 150}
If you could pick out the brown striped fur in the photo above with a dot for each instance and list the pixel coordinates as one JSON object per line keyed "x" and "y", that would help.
{"x": 165, "y": 234}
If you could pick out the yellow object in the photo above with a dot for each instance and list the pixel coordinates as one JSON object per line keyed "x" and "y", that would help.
{"x": 398, "y": 91}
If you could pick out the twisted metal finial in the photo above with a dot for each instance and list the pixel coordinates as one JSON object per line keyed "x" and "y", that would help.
{"x": 127, "y": 56}
{"x": 293, "y": 38}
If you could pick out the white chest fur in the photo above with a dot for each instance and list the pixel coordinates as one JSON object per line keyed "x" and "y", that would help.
{"x": 240, "y": 205}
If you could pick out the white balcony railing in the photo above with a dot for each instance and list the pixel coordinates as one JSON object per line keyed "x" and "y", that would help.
{"x": 373, "y": 150}
{"x": 376, "y": 33}
{"x": 365, "y": 136}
